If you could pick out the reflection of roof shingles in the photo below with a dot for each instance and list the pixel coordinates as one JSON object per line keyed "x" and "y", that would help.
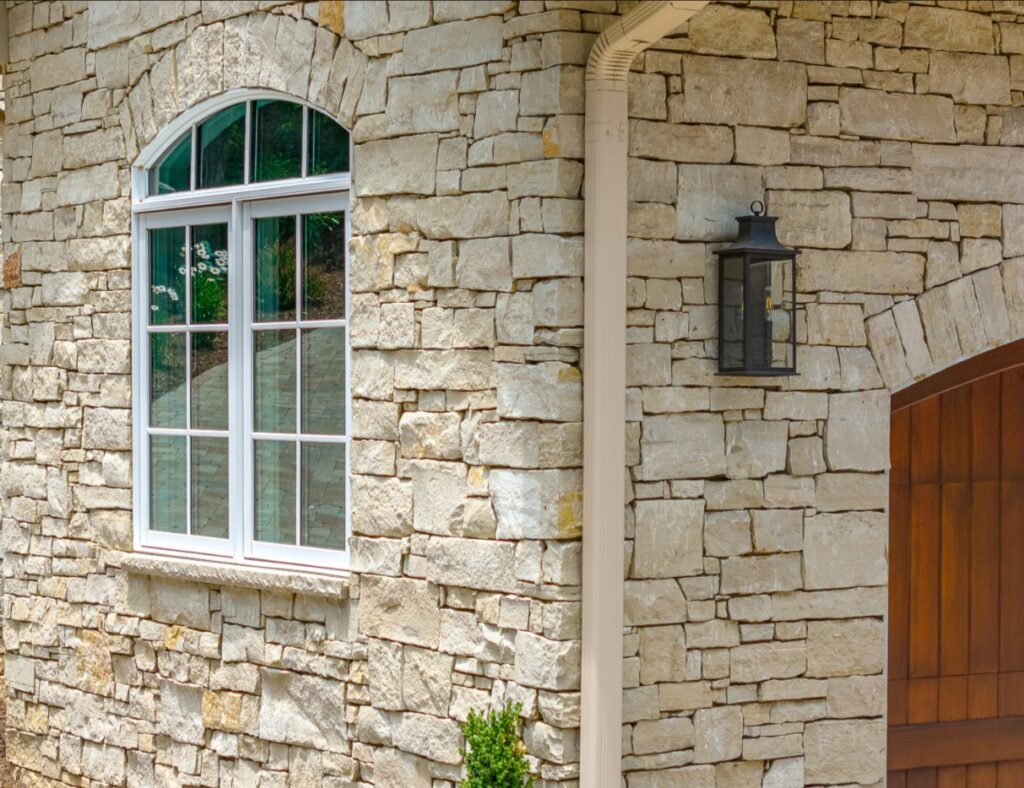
{"x": 324, "y": 483}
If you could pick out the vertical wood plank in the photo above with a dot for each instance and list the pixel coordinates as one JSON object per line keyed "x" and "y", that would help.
{"x": 922, "y": 778}
{"x": 955, "y": 429}
{"x": 982, "y": 695}
{"x": 922, "y": 700}
{"x": 1011, "y": 694}
{"x": 1011, "y": 774}
{"x": 985, "y": 428}
{"x": 925, "y": 439}
{"x": 1012, "y": 429}
{"x": 1011, "y": 575}
{"x": 900, "y": 446}
{"x": 924, "y": 581}
{"x": 985, "y": 562}
{"x": 954, "y": 577}
{"x": 952, "y": 777}
{"x": 952, "y": 698}
{"x": 896, "y": 779}
{"x": 899, "y": 579}
{"x": 982, "y": 775}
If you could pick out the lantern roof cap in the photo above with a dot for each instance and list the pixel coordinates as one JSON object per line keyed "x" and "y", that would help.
{"x": 757, "y": 234}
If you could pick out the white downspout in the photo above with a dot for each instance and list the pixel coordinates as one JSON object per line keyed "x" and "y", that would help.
{"x": 604, "y": 379}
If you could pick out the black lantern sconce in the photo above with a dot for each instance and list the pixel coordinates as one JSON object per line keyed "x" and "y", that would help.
{"x": 757, "y": 300}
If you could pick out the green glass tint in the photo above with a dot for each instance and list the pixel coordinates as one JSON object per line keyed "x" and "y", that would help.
{"x": 276, "y": 140}
{"x": 210, "y": 273}
{"x": 173, "y": 172}
{"x": 323, "y": 495}
{"x": 275, "y": 269}
{"x": 167, "y": 469}
{"x": 210, "y": 487}
{"x": 323, "y": 381}
{"x": 167, "y": 380}
{"x": 210, "y": 380}
{"x": 167, "y": 276}
{"x": 274, "y": 381}
{"x": 274, "y": 481}
{"x": 220, "y": 144}
{"x": 328, "y": 145}
{"x": 323, "y": 266}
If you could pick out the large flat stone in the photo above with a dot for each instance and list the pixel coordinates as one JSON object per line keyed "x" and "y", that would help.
{"x": 744, "y": 92}
{"x": 668, "y": 541}
{"x": 860, "y": 272}
{"x": 679, "y": 446}
{"x": 896, "y": 116}
{"x": 975, "y": 173}
{"x": 947, "y": 28}
{"x": 711, "y": 196}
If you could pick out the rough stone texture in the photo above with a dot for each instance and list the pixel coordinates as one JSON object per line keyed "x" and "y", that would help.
{"x": 755, "y": 531}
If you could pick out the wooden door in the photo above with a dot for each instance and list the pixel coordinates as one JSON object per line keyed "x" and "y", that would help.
{"x": 956, "y": 577}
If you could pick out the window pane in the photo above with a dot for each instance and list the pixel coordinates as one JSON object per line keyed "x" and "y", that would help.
{"x": 167, "y": 483}
{"x": 328, "y": 145}
{"x": 210, "y": 380}
{"x": 167, "y": 276}
{"x": 274, "y": 381}
{"x": 210, "y": 487}
{"x": 274, "y": 469}
{"x": 323, "y": 381}
{"x": 174, "y": 170}
{"x": 210, "y": 273}
{"x": 221, "y": 148}
{"x": 275, "y": 268}
{"x": 732, "y": 312}
{"x": 323, "y": 495}
{"x": 323, "y": 266}
{"x": 276, "y": 140}
{"x": 167, "y": 380}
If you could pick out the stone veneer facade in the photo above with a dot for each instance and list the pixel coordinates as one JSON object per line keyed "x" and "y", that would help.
{"x": 883, "y": 135}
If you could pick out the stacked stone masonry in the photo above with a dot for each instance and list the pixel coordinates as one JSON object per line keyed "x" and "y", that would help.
{"x": 883, "y": 135}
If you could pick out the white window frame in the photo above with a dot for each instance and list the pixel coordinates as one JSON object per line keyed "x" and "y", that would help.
{"x": 237, "y": 206}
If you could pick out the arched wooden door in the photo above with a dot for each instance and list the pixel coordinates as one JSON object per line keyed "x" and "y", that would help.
{"x": 956, "y": 577}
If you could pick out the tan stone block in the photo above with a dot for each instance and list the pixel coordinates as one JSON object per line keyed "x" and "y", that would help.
{"x": 668, "y": 538}
{"x": 719, "y": 734}
{"x": 940, "y": 329}
{"x": 823, "y": 118}
{"x": 819, "y": 219}
{"x": 761, "y": 574}
{"x": 847, "y": 603}
{"x": 666, "y": 735}
{"x": 970, "y": 79}
{"x": 1013, "y": 286}
{"x": 806, "y": 457}
{"x": 754, "y": 449}
{"x": 399, "y": 609}
{"x": 761, "y": 146}
{"x": 684, "y": 696}
{"x": 911, "y": 330}
{"x": 736, "y": 494}
{"x": 949, "y": 29}
{"x": 682, "y": 143}
{"x": 662, "y": 437}
{"x": 727, "y": 533}
{"x": 744, "y": 92}
{"x": 836, "y": 492}
{"x": 772, "y": 660}
{"x": 845, "y": 752}
{"x": 855, "y": 434}
{"x": 988, "y": 286}
{"x": 725, "y": 30}
{"x": 966, "y": 315}
{"x": 835, "y": 324}
{"x": 652, "y": 602}
{"x": 802, "y": 40}
{"x": 943, "y": 263}
{"x": 826, "y": 152}
{"x": 873, "y": 113}
{"x": 793, "y": 689}
{"x": 770, "y": 748}
{"x": 860, "y": 272}
{"x": 690, "y": 776}
{"x": 711, "y": 196}
{"x": 662, "y": 654}
{"x": 939, "y": 174}
{"x": 856, "y": 696}
{"x": 664, "y": 259}
{"x": 777, "y": 530}
{"x": 870, "y": 179}
{"x": 845, "y": 550}
{"x": 650, "y": 181}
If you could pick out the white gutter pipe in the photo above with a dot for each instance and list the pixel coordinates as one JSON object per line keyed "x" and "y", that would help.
{"x": 604, "y": 379}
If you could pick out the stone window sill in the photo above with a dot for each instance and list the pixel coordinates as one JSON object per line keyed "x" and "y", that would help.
{"x": 231, "y": 574}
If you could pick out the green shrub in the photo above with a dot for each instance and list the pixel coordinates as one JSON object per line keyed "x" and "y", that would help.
{"x": 495, "y": 756}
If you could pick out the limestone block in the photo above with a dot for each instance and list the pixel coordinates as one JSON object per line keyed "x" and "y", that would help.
{"x": 996, "y": 174}
{"x": 761, "y": 574}
{"x": 936, "y": 309}
{"x": 725, "y": 30}
{"x": 682, "y": 143}
{"x": 551, "y": 391}
{"x": 755, "y": 448}
{"x": 545, "y": 178}
{"x": 77, "y": 187}
{"x": 650, "y": 181}
{"x": 668, "y": 538}
{"x": 856, "y": 696}
{"x": 426, "y": 681}
{"x": 761, "y": 146}
{"x": 453, "y": 45}
{"x": 496, "y": 111}
{"x": 855, "y": 434}
{"x": 1013, "y": 285}
{"x": 400, "y": 166}
{"x": 106, "y": 428}
{"x": 806, "y": 456}
{"x": 392, "y": 767}
{"x": 719, "y": 734}
{"x": 484, "y": 264}
{"x": 711, "y": 196}
{"x": 949, "y": 29}
{"x": 970, "y": 79}
{"x": 648, "y": 364}
{"x": 653, "y": 602}
{"x": 547, "y": 664}
{"x": 400, "y": 609}
{"x": 777, "y": 530}
{"x": 896, "y": 116}
{"x": 647, "y": 96}
{"x": 537, "y": 504}
{"x": 770, "y": 660}
{"x": 844, "y": 550}
{"x": 381, "y": 506}
{"x": 552, "y": 91}
{"x": 795, "y": 405}
{"x": 835, "y": 324}
{"x": 664, "y": 259}
{"x": 665, "y": 735}
{"x": 430, "y": 737}
{"x": 690, "y": 776}
{"x": 181, "y": 715}
{"x": 682, "y": 446}
{"x": 977, "y": 253}
{"x": 837, "y": 492}
{"x": 819, "y": 219}
{"x": 662, "y": 654}
{"x": 66, "y": 289}
{"x": 744, "y": 92}
{"x": 472, "y": 563}
{"x": 1013, "y": 230}
{"x": 845, "y": 751}
{"x": 536, "y": 255}
{"x": 713, "y": 633}
{"x": 860, "y": 272}
{"x": 558, "y": 303}
{"x": 61, "y": 68}
{"x": 802, "y": 40}
{"x": 988, "y": 286}
{"x": 464, "y": 370}
{"x": 727, "y": 533}
{"x": 430, "y": 435}
{"x": 433, "y": 96}
{"x": 966, "y": 315}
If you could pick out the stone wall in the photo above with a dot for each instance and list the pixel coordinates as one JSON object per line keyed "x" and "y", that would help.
{"x": 885, "y": 136}
{"x": 465, "y": 278}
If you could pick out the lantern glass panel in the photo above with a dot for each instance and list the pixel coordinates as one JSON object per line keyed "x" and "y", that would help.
{"x": 732, "y": 312}
{"x": 770, "y": 310}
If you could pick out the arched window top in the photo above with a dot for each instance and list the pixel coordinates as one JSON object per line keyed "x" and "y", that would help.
{"x": 255, "y": 141}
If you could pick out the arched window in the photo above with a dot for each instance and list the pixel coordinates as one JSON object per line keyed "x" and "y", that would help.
{"x": 240, "y": 228}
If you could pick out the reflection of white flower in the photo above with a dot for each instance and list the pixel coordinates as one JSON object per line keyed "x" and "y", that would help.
{"x": 203, "y": 250}
{"x": 214, "y": 270}
{"x": 201, "y": 267}
{"x": 154, "y": 308}
{"x": 182, "y": 270}
{"x": 222, "y": 257}
{"x": 173, "y": 295}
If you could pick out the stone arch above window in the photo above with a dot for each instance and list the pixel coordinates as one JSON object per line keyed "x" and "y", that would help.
{"x": 261, "y": 139}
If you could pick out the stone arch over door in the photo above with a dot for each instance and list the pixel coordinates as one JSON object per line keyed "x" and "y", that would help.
{"x": 956, "y": 594}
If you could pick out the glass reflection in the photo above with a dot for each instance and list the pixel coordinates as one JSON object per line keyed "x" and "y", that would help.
{"x": 274, "y": 381}
{"x": 210, "y": 380}
{"x": 220, "y": 144}
{"x": 274, "y": 471}
{"x": 167, "y": 380}
{"x": 323, "y": 266}
{"x": 210, "y": 487}
{"x": 276, "y": 140}
{"x": 275, "y": 268}
{"x": 323, "y": 381}
{"x": 323, "y": 495}
{"x": 167, "y": 468}
{"x": 167, "y": 276}
{"x": 210, "y": 273}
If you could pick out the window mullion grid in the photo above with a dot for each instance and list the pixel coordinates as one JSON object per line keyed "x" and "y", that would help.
{"x": 299, "y": 262}
{"x": 305, "y": 138}
{"x": 236, "y": 379}
{"x": 188, "y": 373}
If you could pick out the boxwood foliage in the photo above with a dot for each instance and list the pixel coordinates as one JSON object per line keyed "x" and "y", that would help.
{"x": 495, "y": 756}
